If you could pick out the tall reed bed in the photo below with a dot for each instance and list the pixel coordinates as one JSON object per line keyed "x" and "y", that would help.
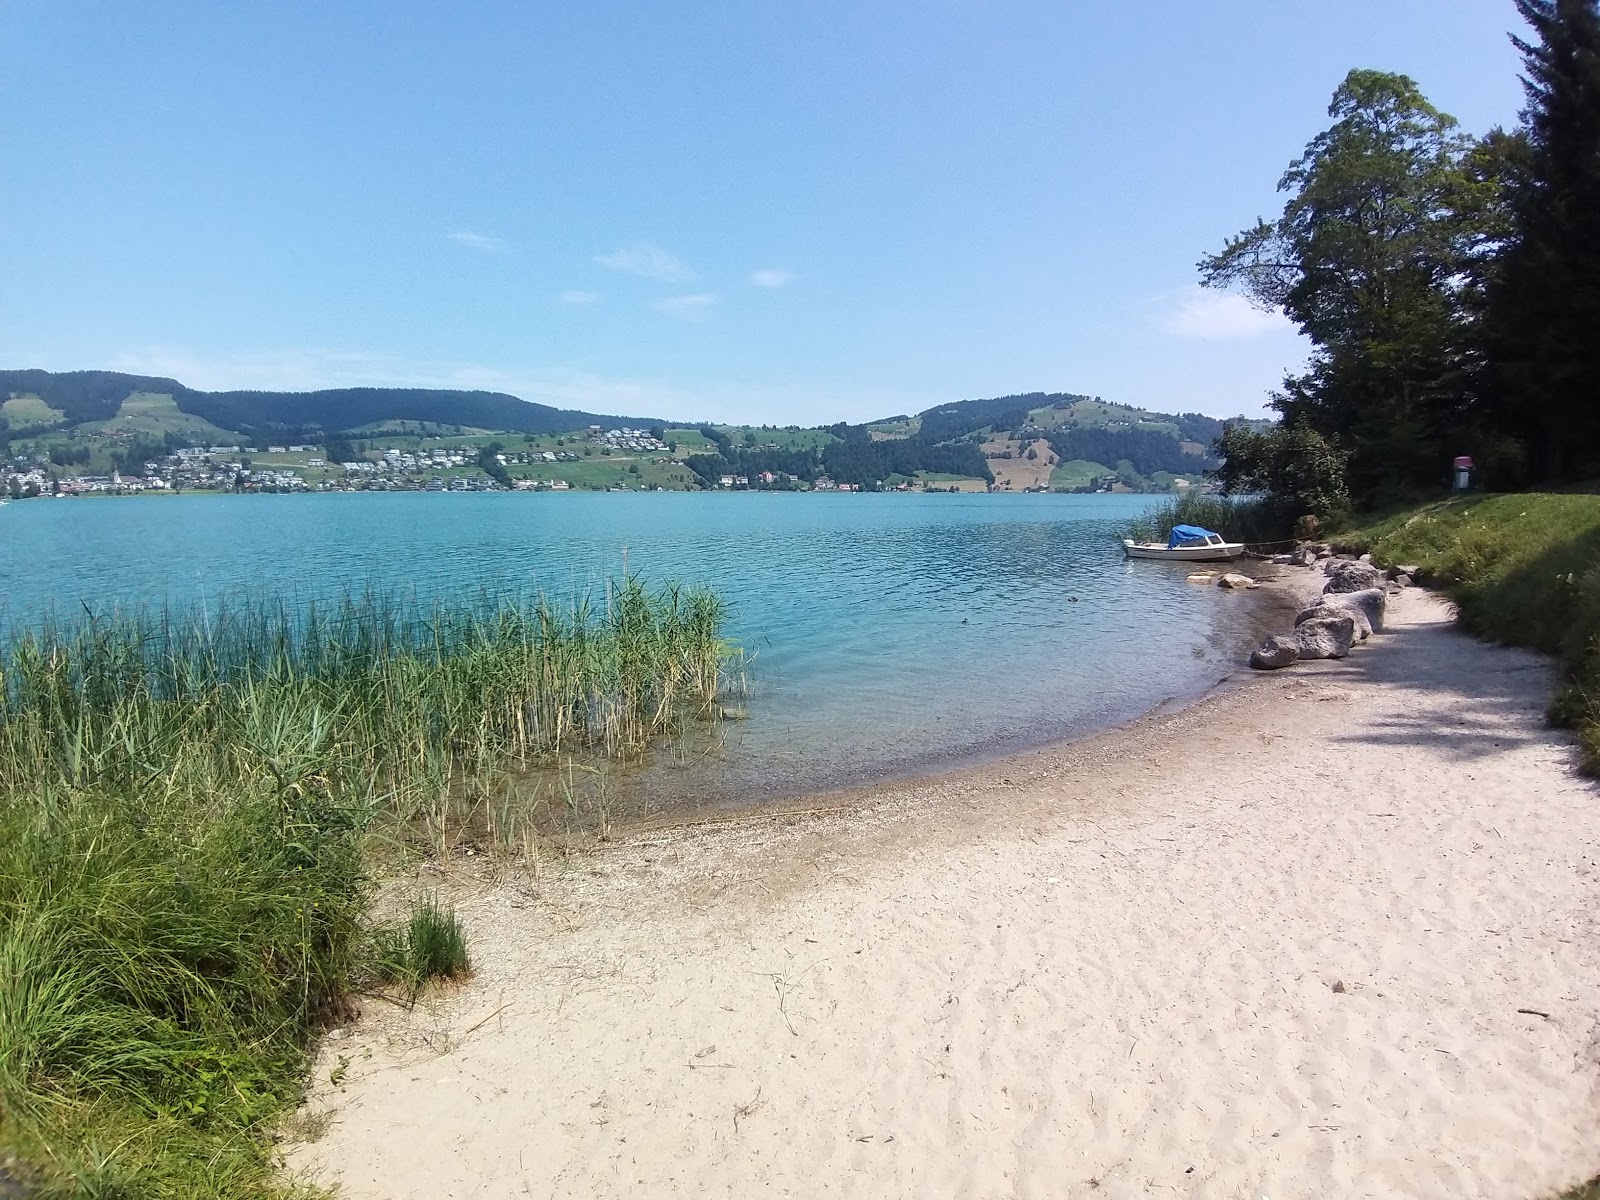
{"x": 184, "y": 806}
{"x": 369, "y": 693}
{"x": 1252, "y": 520}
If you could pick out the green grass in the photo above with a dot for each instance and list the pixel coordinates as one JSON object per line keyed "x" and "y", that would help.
{"x": 1253, "y": 522}
{"x": 29, "y": 410}
{"x": 429, "y": 945}
{"x": 188, "y": 804}
{"x": 155, "y": 415}
{"x": 1522, "y": 569}
{"x": 1077, "y": 472}
{"x": 602, "y": 471}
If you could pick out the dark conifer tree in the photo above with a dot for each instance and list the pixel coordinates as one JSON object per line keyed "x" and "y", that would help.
{"x": 1543, "y": 331}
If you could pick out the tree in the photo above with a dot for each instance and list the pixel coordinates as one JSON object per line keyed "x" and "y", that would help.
{"x": 489, "y": 463}
{"x": 1295, "y": 466}
{"x": 1375, "y": 257}
{"x": 1544, "y": 300}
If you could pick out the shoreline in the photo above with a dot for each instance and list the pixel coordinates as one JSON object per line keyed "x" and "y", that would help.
{"x": 1331, "y": 933}
{"x": 1280, "y": 594}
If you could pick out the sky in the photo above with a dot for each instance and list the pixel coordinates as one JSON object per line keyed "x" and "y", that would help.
{"x": 762, "y": 211}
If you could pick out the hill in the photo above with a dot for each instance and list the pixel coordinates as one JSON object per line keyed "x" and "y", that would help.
{"x": 46, "y": 400}
{"x": 1068, "y": 441}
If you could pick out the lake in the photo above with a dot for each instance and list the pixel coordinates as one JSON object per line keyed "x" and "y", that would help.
{"x": 890, "y": 634}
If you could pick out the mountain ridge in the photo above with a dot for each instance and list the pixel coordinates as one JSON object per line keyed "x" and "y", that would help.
{"x": 84, "y": 396}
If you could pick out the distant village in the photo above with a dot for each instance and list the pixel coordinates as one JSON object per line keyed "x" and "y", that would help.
{"x": 239, "y": 469}
{"x": 605, "y": 459}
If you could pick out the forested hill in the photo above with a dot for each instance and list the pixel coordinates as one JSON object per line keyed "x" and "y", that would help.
{"x": 81, "y": 396}
{"x": 1048, "y": 412}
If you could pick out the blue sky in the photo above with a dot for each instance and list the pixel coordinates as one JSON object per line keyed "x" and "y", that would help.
{"x": 787, "y": 212}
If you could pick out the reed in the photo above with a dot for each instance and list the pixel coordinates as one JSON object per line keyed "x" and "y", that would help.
{"x": 1252, "y": 520}
{"x": 187, "y": 801}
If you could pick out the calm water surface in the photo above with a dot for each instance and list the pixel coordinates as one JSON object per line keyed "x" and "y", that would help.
{"x": 892, "y": 634}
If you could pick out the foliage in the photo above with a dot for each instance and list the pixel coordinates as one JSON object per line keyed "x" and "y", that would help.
{"x": 183, "y": 803}
{"x": 130, "y": 457}
{"x": 851, "y": 457}
{"x": 1523, "y": 569}
{"x": 1146, "y": 450}
{"x": 1544, "y": 296}
{"x": 856, "y": 458}
{"x": 63, "y": 454}
{"x": 968, "y": 416}
{"x": 490, "y": 464}
{"x": 1298, "y": 469}
{"x": 1251, "y": 520}
{"x": 1377, "y": 258}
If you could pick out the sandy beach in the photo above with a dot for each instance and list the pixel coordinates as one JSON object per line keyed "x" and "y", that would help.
{"x": 1327, "y": 933}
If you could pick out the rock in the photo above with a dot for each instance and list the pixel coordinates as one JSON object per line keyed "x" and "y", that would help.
{"x": 1326, "y": 637}
{"x": 1324, "y": 553}
{"x": 1338, "y": 987}
{"x": 1371, "y": 601}
{"x": 1324, "y": 609}
{"x": 1366, "y": 558}
{"x": 1203, "y": 577}
{"x": 1283, "y": 560}
{"x": 1403, "y": 569}
{"x": 1403, "y": 580}
{"x": 1235, "y": 580}
{"x": 1353, "y": 577}
{"x": 1306, "y": 556}
{"x": 1275, "y": 653}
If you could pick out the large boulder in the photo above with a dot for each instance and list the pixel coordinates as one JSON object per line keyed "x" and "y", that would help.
{"x": 1235, "y": 580}
{"x": 1346, "y": 576}
{"x": 1325, "y": 637}
{"x": 1275, "y": 653}
{"x": 1371, "y": 601}
{"x": 1322, "y": 608}
{"x": 1306, "y": 556}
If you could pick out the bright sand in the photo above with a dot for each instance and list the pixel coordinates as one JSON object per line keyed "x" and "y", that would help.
{"x": 1272, "y": 945}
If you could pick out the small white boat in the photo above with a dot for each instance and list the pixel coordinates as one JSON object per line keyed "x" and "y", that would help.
{"x": 1188, "y": 543}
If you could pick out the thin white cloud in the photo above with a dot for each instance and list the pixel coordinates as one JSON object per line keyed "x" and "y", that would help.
{"x": 648, "y": 260}
{"x": 771, "y": 277}
{"x": 477, "y": 241}
{"x": 580, "y": 299}
{"x": 689, "y": 308}
{"x": 1203, "y": 315}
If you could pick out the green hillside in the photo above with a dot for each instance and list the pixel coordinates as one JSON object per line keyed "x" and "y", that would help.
{"x": 77, "y": 398}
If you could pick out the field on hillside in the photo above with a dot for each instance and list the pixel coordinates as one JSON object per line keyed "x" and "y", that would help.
{"x": 29, "y": 410}
{"x": 1078, "y": 472}
{"x": 1019, "y": 472}
{"x": 152, "y": 415}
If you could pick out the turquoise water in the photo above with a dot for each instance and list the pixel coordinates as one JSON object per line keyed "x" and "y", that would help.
{"x": 892, "y": 634}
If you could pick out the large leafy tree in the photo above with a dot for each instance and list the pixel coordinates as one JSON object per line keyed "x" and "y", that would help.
{"x": 1543, "y": 331}
{"x": 1376, "y": 258}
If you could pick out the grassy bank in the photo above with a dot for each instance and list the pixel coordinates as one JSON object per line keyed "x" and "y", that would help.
{"x": 1522, "y": 569}
{"x": 187, "y": 802}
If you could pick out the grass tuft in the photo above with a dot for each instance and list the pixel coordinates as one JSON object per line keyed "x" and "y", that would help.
{"x": 430, "y": 945}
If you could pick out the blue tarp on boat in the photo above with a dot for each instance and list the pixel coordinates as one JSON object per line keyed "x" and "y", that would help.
{"x": 1183, "y": 535}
